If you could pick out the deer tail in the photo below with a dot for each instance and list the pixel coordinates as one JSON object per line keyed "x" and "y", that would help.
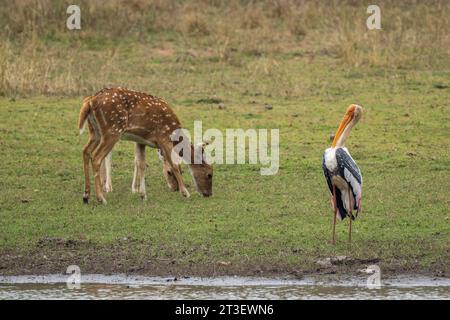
{"x": 84, "y": 112}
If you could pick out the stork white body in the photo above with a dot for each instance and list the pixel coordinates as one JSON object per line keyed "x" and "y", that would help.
{"x": 343, "y": 173}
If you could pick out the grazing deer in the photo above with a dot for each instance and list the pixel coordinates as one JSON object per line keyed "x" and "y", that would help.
{"x": 118, "y": 113}
{"x": 138, "y": 185}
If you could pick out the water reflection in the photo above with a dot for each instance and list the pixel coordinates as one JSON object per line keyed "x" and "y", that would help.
{"x": 122, "y": 287}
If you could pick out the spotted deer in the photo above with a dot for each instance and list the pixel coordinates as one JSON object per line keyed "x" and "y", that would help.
{"x": 138, "y": 185}
{"x": 118, "y": 113}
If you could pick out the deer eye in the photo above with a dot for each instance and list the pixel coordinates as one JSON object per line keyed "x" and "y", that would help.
{"x": 169, "y": 173}
{"x": 209, "y": 175}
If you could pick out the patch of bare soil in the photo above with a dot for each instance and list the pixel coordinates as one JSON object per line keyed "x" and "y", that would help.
{"x": 54, "y": 255}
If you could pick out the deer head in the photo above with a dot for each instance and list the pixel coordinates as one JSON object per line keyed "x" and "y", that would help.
{"x": 202, "y": 173}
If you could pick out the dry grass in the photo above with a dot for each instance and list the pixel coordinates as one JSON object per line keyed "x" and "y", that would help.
{"x": 39, "y": 56}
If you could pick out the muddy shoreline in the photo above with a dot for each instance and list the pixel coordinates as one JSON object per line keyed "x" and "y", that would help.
{"x": 124, "y": 260}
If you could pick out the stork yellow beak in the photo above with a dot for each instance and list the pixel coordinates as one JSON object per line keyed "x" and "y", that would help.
{"x": 344, "y": 123}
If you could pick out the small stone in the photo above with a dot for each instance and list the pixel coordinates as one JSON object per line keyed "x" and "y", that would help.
{"x": 221, "y": 106}
{"x": 268, "y": 106}
{"x": 324, "y": 262}
{"x": 340, "y": 258}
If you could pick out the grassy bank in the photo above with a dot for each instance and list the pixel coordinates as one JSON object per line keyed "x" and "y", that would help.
{"x": 254, "y": 224}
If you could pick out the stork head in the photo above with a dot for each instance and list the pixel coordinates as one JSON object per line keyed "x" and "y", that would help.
{"x": 351, "y": 117}
{"x": 355, "y": 112}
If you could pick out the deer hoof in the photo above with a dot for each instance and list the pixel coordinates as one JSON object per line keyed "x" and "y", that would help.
{"x": 185, "y": 193}
{"x": 143, "y": 197}
{"x": 102, "y": 201}
{"x": 85, "y": 199}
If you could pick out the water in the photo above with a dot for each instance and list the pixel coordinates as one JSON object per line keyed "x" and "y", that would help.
{"x": 139, "y": 287}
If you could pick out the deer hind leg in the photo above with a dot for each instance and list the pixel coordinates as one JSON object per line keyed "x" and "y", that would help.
{"x": 87, "y": 151}
{"x": 139, "y": 171}
{"x": 105, "y": 146}
{"x": 167, "y": 150}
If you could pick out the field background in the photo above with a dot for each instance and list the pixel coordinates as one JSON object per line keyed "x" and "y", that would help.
{"x": 221, "y": 62}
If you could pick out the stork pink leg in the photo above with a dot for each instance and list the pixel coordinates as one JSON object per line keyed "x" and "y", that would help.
{"x": 350, "y": 231}
{"x": 333, "y": 239}
{"x": 350, "y": 223}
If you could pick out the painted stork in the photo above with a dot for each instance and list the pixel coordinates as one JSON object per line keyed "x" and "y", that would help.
{"x": 341, "y": 172}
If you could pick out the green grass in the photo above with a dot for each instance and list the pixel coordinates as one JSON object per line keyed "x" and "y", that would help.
{"x": 308, "y": 60}
{"x": 280, "y": 223}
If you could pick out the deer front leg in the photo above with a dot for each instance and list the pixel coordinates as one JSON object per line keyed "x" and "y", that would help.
{"x": 139, "y": 169}
{"x": 167, "y": 150}
{"x": 135, "y": 183}
{"x": 167, "y": 172}
{"x": 139, "y": 149}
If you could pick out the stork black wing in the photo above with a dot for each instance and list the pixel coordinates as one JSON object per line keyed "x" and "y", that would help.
{"x": 345, "y": 161}
{"x": 348, "y": 170}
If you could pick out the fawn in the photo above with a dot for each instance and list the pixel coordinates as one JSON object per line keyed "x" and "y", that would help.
{"x": 118, "y": 113}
